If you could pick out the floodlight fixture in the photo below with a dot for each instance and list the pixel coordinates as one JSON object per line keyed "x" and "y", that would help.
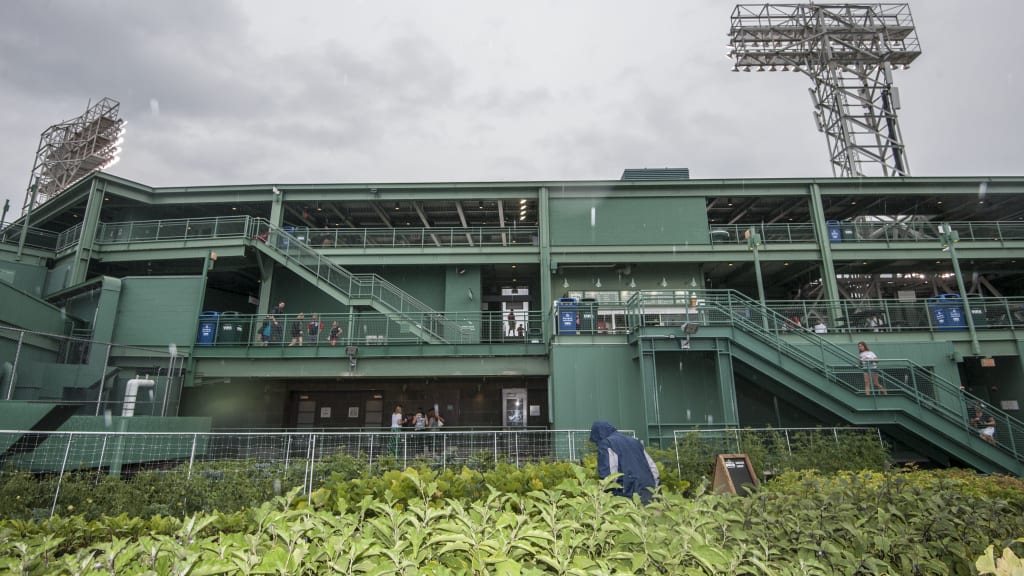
{"x": 72, "y": 150}
{"x": 848, "y": 51}
{"x": 689, "y": 329}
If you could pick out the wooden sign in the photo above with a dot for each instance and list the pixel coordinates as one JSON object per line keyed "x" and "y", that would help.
{"x": 732, "y": 473}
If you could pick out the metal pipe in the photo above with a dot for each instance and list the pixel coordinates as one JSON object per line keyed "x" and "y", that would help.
{"x": 14, "y": 370}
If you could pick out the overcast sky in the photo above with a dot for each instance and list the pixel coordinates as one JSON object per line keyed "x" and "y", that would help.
{"x": 244, "y": 92}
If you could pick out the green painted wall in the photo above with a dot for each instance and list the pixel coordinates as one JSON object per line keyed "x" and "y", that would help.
{"x": 688, "y": 388}
{"x": 20, "y": 309}
{"x": 25, "y": 277}
{"x": 29, "y": 380}
{"x": 59, "y": 277}
{"x": 595, "y": 382}
{"x": 646, "y": 276}
{"x": 462, "y": 297}
{"x": 628, "y": 221}
{"x": 301, "y": 296}
{"x": 158, "y": 310}
{"x": 239, "y": 404}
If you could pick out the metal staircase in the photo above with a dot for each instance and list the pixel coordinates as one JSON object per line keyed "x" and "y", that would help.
{"x": 921, "y": 409}
{"x": 368, "y": 290}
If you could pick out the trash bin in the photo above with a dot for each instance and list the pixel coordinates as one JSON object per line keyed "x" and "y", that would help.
{"x": 835, "y": 233}
{"x": 230, "y": 331}
{"x": 207, "y": 328}
{"x": 566, "y": 315}
{"x": 849, "y": 230}
{"x": 978, "y": 313}
{"x": 947, "y": 312}
{"x": 588, "y": 315}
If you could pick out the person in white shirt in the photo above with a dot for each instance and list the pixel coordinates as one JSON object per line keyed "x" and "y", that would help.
{"x": 869, "y": 362}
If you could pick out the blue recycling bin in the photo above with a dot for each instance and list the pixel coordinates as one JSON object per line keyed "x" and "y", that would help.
{"x": 947, "y": 312}
{"x": 285, "y": 239}
{"x": 835, "y": 232}
{"x": 566, "y": 315}
{"x": 207, "y": 328}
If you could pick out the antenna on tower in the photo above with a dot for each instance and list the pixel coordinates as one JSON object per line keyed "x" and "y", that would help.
{"x": 849, "y": 52}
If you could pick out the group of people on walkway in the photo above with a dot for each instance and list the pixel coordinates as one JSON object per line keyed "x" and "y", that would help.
{"x": 272, "y": 329}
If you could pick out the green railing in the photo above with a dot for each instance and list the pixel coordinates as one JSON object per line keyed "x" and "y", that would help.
{"x": 172, "y": 230}
{"x": 925, "y": 231}
{"x": 867, "y": 232}
{"x": 35, "y": 238}
{"x": 837, "y": 366}
{"x": 777, "y": 233}
{"x": 69, "y": 237}
{"x": 941, "y": 314}
{"x": 492, "y": 236}
{"x": 416, "y": 237}
{"x": 359, "y": 329}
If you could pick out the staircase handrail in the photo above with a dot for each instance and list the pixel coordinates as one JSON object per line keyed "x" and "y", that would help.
{"x": 960, "y": 417}
{"x": 367, "y": 285}
{"x": 728, "y": 302}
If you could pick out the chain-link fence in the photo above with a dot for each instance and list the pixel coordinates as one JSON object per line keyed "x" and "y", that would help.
{"x": 47, "y": 463}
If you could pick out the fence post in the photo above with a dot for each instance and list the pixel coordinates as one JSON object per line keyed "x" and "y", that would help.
{"x": 312, "y": 461}
{"x": 371, "y": 449}
{"x": 103, "y": 452}
{"x": 444, "y": 451}
{"x": 192, "y": 456}
{"x": 515, "y": 436}
{"x": 495, "y": 448}
{"x": 60, "y": 479}
{"x": 287, "y": 451}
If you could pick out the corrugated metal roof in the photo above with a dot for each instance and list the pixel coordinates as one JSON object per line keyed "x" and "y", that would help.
{"x": 656, "y": 174}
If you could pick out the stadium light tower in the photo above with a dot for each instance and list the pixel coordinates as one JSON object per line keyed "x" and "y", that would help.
{"x": 849, "y": 51}
{"x": 71, "y": 151}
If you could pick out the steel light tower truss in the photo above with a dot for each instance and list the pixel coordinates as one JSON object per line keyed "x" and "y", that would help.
{"x": 849, "y": 51}
{"x": 73, "y": 149}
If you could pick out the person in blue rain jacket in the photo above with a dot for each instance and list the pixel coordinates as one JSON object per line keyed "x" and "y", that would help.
{"x": 617, "y": 453}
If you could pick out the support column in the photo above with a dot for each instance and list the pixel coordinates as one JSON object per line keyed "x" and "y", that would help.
{"x": 726, "y": 383}
{"x": 547, "y": 271}
{"x": 828, "y": 269}
{"x": 87, "y": 237}
{"x": 267, "y": 266}
{"x": 649, "y": 388}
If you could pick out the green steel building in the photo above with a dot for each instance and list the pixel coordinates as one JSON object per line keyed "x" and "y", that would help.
{"x": 657, "y": 302}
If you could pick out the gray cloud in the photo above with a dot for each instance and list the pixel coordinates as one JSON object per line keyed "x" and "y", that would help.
{"x": 451, "y": 90}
